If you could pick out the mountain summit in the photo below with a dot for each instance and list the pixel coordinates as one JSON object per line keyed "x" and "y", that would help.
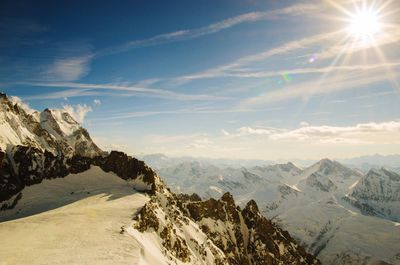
{"x": 52, "y": 130}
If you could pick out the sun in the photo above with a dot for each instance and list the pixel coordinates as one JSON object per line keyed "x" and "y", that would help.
{"x": 364, "y": 24}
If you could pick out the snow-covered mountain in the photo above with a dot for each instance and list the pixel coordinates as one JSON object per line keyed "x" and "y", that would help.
{"x": 52, "y": 130}
{"x": 378, "y": 193}
{"x": 64, "y": 201}
{"x": 311, "y": 203}
{"x": 328, "y": 176}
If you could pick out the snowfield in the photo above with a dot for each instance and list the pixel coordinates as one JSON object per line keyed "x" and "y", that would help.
{"x": 85, "y": 222}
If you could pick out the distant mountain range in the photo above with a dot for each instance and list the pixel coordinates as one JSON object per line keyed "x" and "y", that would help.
{"x": 362, "y": 162}
{"x": 341, "y": 215}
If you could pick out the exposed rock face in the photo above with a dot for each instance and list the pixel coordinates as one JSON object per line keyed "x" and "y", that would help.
{"x": 181, "y": 238}
{"x": 265, "y": 233}
{"x": 244, "y": 236}
{"x": 126, "y": 167}
{"x": 25, "y": 166}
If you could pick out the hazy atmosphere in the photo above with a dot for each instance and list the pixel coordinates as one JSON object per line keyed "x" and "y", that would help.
{"x": 234, "y": 79}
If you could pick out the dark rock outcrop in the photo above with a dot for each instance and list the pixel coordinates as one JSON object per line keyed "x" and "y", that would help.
{"x": 26, "y": 166}
{"x": 126, "y": 167}
{"x": 244, "y": 236}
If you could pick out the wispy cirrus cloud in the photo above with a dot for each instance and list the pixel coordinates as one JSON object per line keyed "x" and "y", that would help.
{"x": 304, "y": 90}
{"x": 186, "y": 34}
{"x": 237, "y": 68}
{"x": 84, "y": 89}
{"x": 237, "y": 65}
{"x": 148, "y": 113}
{"x": 69, "y": 69}
{"x": 315, "y": 70}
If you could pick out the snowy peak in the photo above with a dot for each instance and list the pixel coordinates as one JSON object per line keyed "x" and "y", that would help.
{"x": 380, "y": 185}
{"x": 279, "y": 172}
{"x": 327, "y": 175}
{"x": 58, "y": 122}
{"x": 52, "y": 130}
{"x": 378, "y": 193}
{"x": 328, "y": 167}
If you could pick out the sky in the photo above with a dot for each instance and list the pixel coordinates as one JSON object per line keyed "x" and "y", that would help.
{"x": 213, "y": 78}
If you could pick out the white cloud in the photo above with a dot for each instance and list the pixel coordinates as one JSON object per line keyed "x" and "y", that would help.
{"x": 24, "y": 105}
{"x": 201, "y": 143}
{"x": 250, "y": 131}
{"x": 307, "y": 142}
{"x": 78, "y": 112}
{"x": 367, "y": 133}
{"x": 69, "y": 69}
{"x": 303, "y": 124}
{"x": 254, "y": 131}
{"x": 97, "y": 102}
{"x": 224, "y": 132}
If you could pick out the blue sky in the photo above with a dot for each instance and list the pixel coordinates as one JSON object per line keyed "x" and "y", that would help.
{"x": 237, "y": 79}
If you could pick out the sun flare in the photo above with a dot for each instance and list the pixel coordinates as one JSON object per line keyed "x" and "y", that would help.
{"x": 364, "y": 24}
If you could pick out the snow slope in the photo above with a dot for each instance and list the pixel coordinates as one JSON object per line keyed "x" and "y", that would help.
{"x": 79, "y": 228}
{"x": 86, "y": 218}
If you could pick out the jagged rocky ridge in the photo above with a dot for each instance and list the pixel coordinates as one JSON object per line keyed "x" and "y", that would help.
{"x": 38, "y": 146}
{"x": 234, "y": 236}
{"x": 29, "y": 165}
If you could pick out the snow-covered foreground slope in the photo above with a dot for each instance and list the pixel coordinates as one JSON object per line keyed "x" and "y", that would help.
{"x": 86, "y": 218}
{"x": 85, "y": 225}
